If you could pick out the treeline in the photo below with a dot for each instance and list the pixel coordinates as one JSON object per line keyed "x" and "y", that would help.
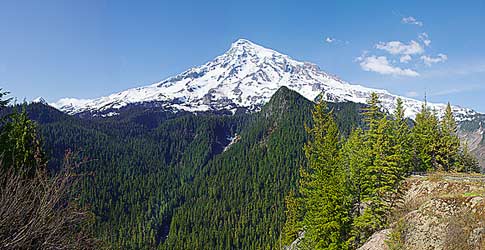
{"x": 349, "y": 185}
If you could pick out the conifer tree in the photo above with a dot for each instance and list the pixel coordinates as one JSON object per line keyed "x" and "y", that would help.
{"x": 426, "y": 139}
{"x": 402, "y": 137}
{"x": 325, "y": 201}
{"x": 355, "y": 156}
{"x": 380, "y": 182}
{"x": 449, "y": 144}
{"x": 20, "y": 147}
{"x": 385, "y": 173}
{"x": 382, "y": 171}
{"x": 292, "y": 224}
{"x": 366, "y": 221}
{"x": 373, "y": 113}
{"x": 466, "y": 161}
{"x": 4, "y": 101}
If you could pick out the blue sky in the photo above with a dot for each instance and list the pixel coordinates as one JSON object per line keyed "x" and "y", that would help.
{"x": 91, "y": 48}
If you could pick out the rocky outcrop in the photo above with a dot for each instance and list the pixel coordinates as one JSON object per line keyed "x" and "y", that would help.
{"x": 446, "y": 223}
{"x": 437, "y": 212}
{"x": 377, "y": 241}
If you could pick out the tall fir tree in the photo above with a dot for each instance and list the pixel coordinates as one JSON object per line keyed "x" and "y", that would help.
{"x": 380, "y": 182}
{"x": 364, "y": 222}
{"x": 426, "y": 137}
{"x": 20, "y": 146}
{"x": 292, "y": 226}
{"x": 325, "y": 202}
{"x": 356, "y": 159}
{"x": 402, "y": 132}
{"x": 373, "y": 111}
{"x": 355, "y": 156}
{"x": 449, "y": 144}
{"x": 382, "y": 171}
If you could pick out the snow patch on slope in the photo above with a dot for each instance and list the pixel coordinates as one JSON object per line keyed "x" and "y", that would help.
{"x": 232, "y": 140}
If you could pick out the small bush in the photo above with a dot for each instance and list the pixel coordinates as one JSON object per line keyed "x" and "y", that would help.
{"x": 397, "y": 237}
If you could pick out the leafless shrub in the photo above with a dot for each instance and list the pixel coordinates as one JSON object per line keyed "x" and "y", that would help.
{"x": 38, "y": 212}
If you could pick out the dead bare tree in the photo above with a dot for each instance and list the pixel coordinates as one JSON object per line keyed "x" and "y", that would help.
{"x": 39, "y": 212}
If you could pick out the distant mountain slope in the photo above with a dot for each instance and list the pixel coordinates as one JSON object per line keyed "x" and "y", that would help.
{"x": 245, "y": 77}
{"x": 473, "y": 132}
{"x": 165, "y": 180}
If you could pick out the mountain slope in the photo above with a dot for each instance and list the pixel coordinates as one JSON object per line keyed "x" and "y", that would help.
{"x": 473, "y": 132}
{"x": 245, "y": 77}
{"x": 171, "y": 181}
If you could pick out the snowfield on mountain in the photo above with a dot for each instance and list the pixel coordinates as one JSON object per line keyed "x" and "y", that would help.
{"x": 246, "y": 77}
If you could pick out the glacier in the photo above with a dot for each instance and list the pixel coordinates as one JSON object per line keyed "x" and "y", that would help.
{"x": 246, "y": 76}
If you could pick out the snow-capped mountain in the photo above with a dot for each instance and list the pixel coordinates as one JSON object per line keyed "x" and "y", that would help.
{"x": 246, "y": 76}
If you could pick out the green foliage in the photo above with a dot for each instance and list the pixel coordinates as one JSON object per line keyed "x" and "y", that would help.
{"x": 20, "y": 147}
{"x": 292, "y": 226}
{"x": 380, "y": 181}
{"x": 377, "y": 158}
{"x": 349, "y": 186}
{"x": 37, "y": 210}
{"x": 238, "y": 200}
{"x": 466, "y": 161}
{"x": 437, "y": 145}
{"x": 325, "y": 201}
{"x": 166, "y": 181}
{"x": 449, "y": 143}
{"x": 402, "y": 137}
{"x": 397, "y": 236}
{"x": 4, "y": 101}
{"x": 372, "y": 112}
{"x": 426, "y": 139}
{"x": 356, "y": 159}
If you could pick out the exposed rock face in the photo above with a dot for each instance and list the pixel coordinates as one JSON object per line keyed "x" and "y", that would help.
{"x": 446, "y": 223}
{"x": 437, "y": 212}
{"x": 294, "y": 245}
{"x": 377, "y": 241}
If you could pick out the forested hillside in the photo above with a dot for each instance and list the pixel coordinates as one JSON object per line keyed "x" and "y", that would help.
{"x": 164, "y": 180}
{"x": 350, "y": 186}
{"x": 157, "y": 179}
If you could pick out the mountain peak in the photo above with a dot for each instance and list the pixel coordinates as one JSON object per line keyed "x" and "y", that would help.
{"x": 285, "y": 101}
{"x": 243, "y": 48}
{"x": 242, "y": 42}
{"x": 39, "y": 100}
{"x": 246, "y": 77}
